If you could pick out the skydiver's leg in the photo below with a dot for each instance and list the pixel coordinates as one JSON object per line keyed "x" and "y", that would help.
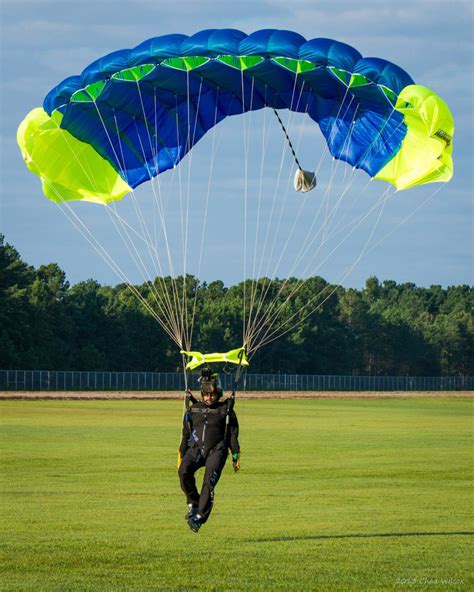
{"x": 192, "y": 461}
{"x": 214, "y": 464}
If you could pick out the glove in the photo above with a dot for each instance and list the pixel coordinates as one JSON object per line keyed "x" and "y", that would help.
{"x": 236, "y": 461}
{"x": 179, "y": 460}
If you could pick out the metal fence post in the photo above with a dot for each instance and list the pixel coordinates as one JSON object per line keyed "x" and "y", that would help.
{"x": 11, "y": 380}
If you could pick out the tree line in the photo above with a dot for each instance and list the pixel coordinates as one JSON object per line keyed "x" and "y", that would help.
{"x": 383, "y": 329}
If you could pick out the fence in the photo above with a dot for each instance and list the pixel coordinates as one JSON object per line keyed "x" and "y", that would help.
{"x": 45, "y": 380}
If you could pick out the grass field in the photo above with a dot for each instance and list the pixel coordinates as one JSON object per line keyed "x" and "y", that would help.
{"x": 333, "y": 495}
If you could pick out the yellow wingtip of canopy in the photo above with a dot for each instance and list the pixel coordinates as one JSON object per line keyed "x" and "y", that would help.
{"x": 69, "y": 169}
{"x": 425, "y": 155}
{"x": 234, "y": 356}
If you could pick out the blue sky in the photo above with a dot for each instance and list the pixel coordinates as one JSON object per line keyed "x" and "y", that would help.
{"x": 44, "y": 42}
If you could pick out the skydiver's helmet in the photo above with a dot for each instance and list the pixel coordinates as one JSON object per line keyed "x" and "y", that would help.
{"x": 210, "y": 382}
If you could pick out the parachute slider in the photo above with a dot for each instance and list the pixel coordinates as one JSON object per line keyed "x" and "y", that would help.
{"x": 304, "y": 181}
{"x": 234, "y": 356}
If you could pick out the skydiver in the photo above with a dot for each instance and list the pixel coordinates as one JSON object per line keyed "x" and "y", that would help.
{"x": 210, "y": 430}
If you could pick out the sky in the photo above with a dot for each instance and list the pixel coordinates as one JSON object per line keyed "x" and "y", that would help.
{"x": 424, "y": 236}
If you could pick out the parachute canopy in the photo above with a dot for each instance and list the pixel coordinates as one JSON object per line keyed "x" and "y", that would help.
{"x": 136, "y": 112}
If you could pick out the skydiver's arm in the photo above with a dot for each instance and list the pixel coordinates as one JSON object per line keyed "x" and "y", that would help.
{"x": 184, "y": 438}
{"x": 234, "y": 441}
{"x": 233, "y": 433}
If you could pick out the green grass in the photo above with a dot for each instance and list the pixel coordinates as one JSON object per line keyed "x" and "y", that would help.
{"x": 333, "y": 495}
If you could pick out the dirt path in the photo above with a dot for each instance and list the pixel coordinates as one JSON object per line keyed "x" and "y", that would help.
{"x": 163, "y": 395}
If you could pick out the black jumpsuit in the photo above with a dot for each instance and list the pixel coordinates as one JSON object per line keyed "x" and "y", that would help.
{"x": 206, "y": 445}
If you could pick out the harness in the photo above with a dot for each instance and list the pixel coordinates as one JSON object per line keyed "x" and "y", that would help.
{"x": 190, "y": 400}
